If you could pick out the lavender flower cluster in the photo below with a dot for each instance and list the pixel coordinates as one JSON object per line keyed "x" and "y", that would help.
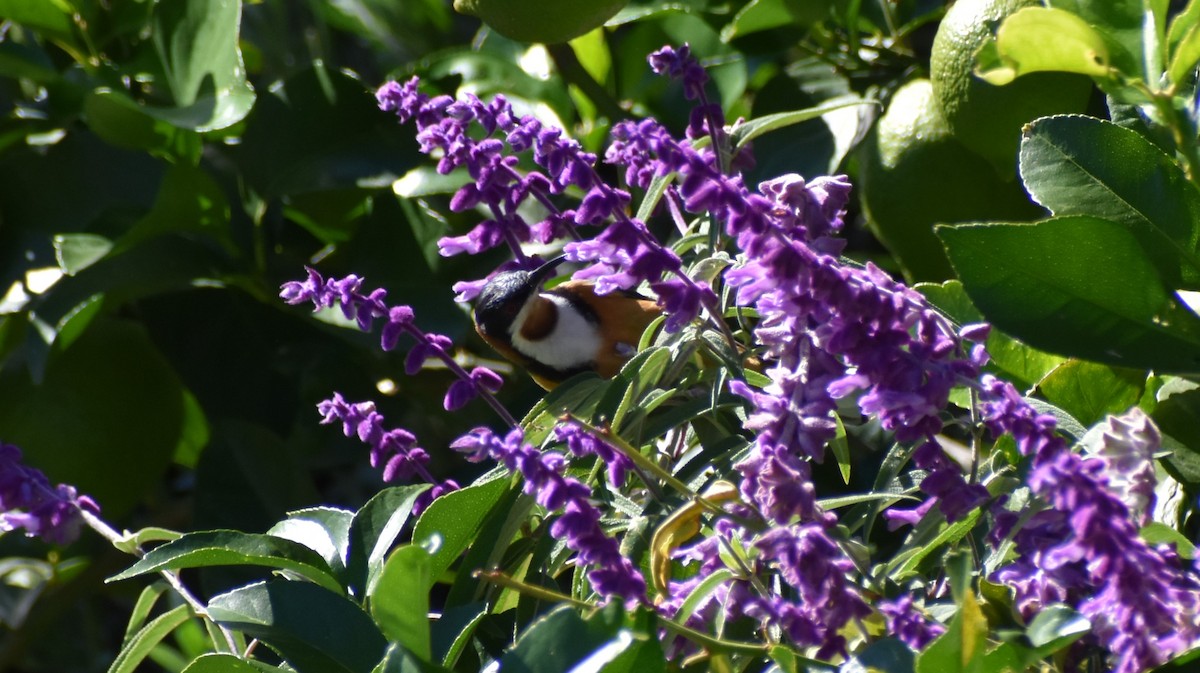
{"x": 29, "y": 502}
{"x": 826, "y": 329}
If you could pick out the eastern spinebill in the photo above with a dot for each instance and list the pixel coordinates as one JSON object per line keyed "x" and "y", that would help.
{"x": 559, "y": 332}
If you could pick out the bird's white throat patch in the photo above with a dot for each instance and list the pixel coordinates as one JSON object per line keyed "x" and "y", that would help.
{"x": 572, "y": 343}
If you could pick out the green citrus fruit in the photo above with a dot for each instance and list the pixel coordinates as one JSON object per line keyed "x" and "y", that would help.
{"x": 914, "y": 174}
{"x": 988, "y": 118}
{"x": 545, "y": 21}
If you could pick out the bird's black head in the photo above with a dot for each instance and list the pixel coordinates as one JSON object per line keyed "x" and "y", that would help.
{"x": 502, "y": 298}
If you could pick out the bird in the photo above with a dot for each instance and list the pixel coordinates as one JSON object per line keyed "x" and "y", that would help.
{"x": 562, "y": 331}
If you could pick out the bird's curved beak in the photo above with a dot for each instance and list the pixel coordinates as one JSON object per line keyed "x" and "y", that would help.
{"x": 541, "y": 274}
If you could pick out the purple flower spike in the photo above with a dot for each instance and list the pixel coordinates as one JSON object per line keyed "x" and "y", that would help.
{"x": 681, "y": 65}
{"x": 612, "y": 575}
{"x": 1143, "y": 603}
{"x": 906, "y": 622}
{"x": 29, "y": 502}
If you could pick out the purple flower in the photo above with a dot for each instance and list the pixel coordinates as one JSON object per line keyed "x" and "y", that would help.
{"x": 578, "y": 525}
{"x": 908, "y": 623}
{"x": 465, "y": 390}
{"x": 394, "y": 450}
{"x": 679, "y": 64}
{"x": 582, "y": 442}
{"x": 29, "y": 502}
{"x": 1127, "y": 444}
{"x": 365, "y": 308}
{"x": 1144, "y": 605}
{"x": 815, "y": 569}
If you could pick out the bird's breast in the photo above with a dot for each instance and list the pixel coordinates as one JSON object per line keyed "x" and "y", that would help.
{"x": 554, "y": 332}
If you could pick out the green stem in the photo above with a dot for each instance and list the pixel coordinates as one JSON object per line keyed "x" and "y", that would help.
{"x": 120, "y": 541}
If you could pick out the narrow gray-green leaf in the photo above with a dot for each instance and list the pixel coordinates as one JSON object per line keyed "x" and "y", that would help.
{"x": 135, "y": 649}
{"x": 754, "y": 128}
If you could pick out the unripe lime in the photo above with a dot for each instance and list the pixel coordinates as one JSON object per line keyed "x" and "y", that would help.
{"x": 545, "y": 21}
{"x": 988, "y": 118}
{"x": 915, "y": 174}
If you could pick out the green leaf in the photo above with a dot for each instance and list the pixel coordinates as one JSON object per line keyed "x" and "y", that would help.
{"x": 961, "y": 645}
{"x": 1039, "y": 39}
{"x": 197, "y": 42}
{"x": 887, "y": 655}
{"x": 562, "y": 640}
{"x": 141, "y": 610}
{"x": 1078, "y": 165}
{"x": 1185, "y": 54}
{"x": 228, "y": 663}
{"x": 76, "y": 252}
{"x": 110, "y": 391}
{"x": 1126, "y": 30}
{"x": 451, "y": 633}
{"x": 20, "y": 61}
{"x": 325, "y": 530}
{"x": 454, "y": 519}
{"x": 348, "y": 142}
{"x": 374, "y": 530}
{"x": 398, "y": 659}
{"x": 1090, "y": 391}
{"x": 744, "y": 133}
{"x": 314, "y": 630}
{"x": 125, "y": 123}
{"x": 903, "y": 566}
{"x": 1156, "y": 533}
{"x": 227, "y": 547}
{"x": 49, "y": 17}
{"x": 188, "y": 202}
{"x": 755, "y": 16}
{"x": 1077, "y": 286}
{"x": 1055, "y": 627}
{"x": 400, "y": 600}
{"x": 138, "y": 647}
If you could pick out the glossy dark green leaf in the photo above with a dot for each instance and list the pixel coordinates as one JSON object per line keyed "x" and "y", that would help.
{"x": 400, "y": 600}
{"x": 1177, "y": 415}
{"x": 451, "y": 633}
{"x": 197, "y": 42}
{"x": 325, "y": 530}
{"x": 1078, "y": 286}
{"x": 227, "y": 547}
{"x": 374, "y": 530}
{"x": 399, "y": 660}
{"x": 313, "y": 629}
{"x": 124, "y": 123}
{"x": 188, "y": 202}
{"x": 451, "y": 522}
{"x": 347, "y": 140}
{"x": 110, "y": 392}
{"x": 1090, "y": 391}
{"x": 1078, "y": 165}
{"x": 562, "y": 639}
